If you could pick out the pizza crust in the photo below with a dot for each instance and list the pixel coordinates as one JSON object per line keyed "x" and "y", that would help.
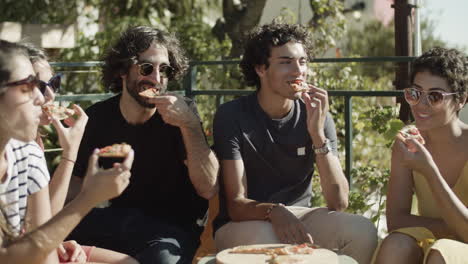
{"x": 57, "y": 111}
{"x": 115, "y": 151}
{"x": 412, "y": 132}
{"x": 150, "y": 93}
{"x": 318, "y": 256}
{"x": 300, "y": 87}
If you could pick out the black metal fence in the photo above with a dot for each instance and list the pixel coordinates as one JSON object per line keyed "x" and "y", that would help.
{"x": 190, "y": 90}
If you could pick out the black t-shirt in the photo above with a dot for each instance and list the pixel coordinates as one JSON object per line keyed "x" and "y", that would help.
{"x": 160, "y": 184}
{"x": 277, "y": 153}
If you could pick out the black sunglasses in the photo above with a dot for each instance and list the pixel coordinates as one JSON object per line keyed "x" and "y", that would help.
{"x": 53, "y": 83}
{"x": 146, "y": 68}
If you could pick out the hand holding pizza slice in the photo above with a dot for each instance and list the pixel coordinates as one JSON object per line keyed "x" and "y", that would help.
{"x": 115, "y": 151}
{"x": 57, "y": 111}
{"x": 410, "y": 132}
{"x": 150, "y": 93}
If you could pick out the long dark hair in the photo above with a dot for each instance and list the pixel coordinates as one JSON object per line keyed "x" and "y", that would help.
{"x": 131, "y": 43}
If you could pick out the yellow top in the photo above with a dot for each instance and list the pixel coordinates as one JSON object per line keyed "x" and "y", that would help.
{"x": 427, "y": 205}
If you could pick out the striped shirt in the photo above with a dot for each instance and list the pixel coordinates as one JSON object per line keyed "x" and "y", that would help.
{"x": 26, "y": 174}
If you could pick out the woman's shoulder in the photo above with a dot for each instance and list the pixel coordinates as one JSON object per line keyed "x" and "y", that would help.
{"x": 24, "y": 148}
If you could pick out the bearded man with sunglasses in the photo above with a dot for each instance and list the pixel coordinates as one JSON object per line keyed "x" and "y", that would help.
{"x": 174, "y": 173}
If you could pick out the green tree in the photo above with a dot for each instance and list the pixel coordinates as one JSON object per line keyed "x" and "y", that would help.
{"x": 376, "y": 40}
{"x": 39, "y": 11}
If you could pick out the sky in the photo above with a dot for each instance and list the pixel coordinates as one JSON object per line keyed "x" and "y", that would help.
{"x": 450, "y": 19}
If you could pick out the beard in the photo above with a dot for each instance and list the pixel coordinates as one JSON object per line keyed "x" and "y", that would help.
{"x": 134, "y": 88}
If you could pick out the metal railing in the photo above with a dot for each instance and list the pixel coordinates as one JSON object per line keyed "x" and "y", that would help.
{"x": 190, "y": 90}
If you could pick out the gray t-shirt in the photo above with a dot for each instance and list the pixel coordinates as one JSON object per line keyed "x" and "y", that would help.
{"x": 277, "y": 153}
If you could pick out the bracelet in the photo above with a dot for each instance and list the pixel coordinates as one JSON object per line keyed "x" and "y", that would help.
{"x": 270, "y": 209}
{"x": 67, "y": 159}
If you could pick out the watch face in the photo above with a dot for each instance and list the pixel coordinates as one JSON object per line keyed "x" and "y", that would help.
{"x": 324, "y": 149}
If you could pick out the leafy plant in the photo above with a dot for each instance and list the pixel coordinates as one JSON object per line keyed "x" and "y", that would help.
{"x": 375, "y": 123}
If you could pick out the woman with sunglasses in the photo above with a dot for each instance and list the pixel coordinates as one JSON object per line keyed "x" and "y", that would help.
{"x": 436, "y": 172}
{"x": 69, "y": 139}
{"x": 26, "y": 236}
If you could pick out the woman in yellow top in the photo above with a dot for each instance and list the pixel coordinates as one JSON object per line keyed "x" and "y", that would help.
{"x": 436, "y": 172}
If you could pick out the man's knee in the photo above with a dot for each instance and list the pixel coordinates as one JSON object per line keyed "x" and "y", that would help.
{"x": 359, "y": 237}
{"x": 262, "y": 231}
{"x": 360, "y": 230}
{"x": 244, "y": 233}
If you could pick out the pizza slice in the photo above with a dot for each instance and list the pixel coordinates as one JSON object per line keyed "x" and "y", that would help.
{"x": 302, "y": 249}
{"x": 57, "y": 111}
{"x": 150, "y": 93}
{"x": 299, "y": 86}
{"x": 411, "y": 131}
{"x": 251, "y": 250}
{"x": 115, "y": 151}
{"x": 277, "y": 254}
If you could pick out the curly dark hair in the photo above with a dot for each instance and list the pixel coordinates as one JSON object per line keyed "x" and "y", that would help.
{"x": 135, "y": 40}
{"x": 450, "y": 64}
{"x": 258, "y": 44}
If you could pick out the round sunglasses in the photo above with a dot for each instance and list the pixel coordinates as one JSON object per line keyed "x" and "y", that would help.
{"x": 146, "y": 68}
{"x": 435, "y": 98}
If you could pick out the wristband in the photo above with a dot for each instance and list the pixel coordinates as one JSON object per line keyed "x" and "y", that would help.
{"x": 67, "y": 159}
{"x": 270, "y": 209}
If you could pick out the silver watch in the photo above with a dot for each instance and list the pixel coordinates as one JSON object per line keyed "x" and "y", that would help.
{"x": 324, "y": 149}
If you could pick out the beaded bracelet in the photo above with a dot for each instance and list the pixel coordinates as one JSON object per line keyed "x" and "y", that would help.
{"x": 67, "y": 159}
